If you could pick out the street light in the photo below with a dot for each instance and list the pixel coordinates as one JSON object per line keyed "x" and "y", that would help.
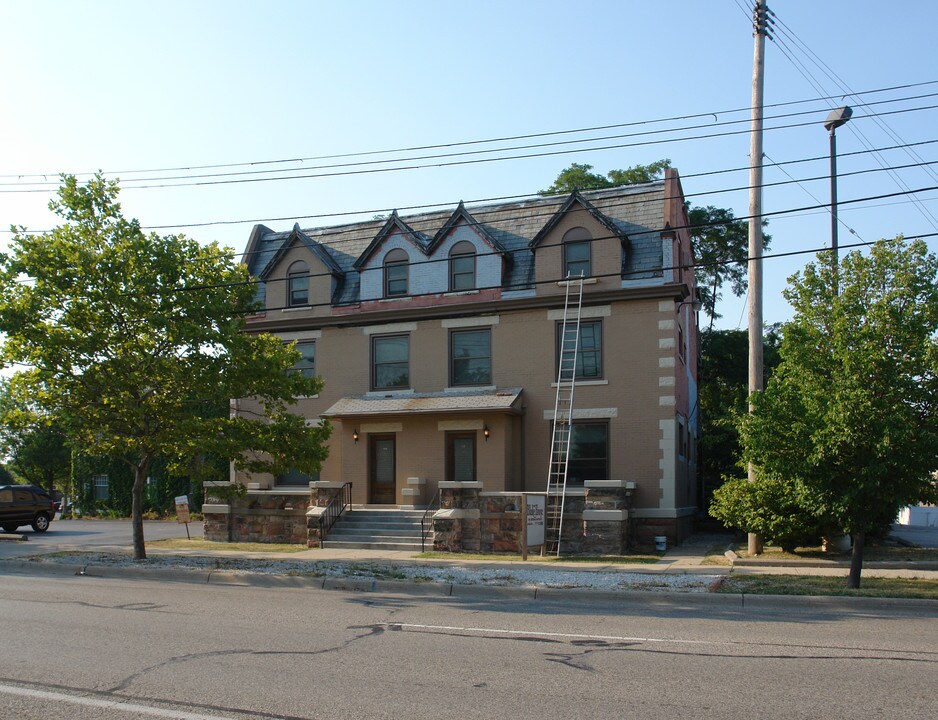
{"x": 837, "y": 117}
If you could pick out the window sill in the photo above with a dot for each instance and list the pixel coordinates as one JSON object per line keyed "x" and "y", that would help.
{"x": 586, "y": 281}
{"x": 457, "y": 293}
{"x": 393, "y": 299}
{"x": 299, "y": 308}
{"x": 580, "y": 383}
{"x": 307, "y": 397}
{"x": 461, "y": 388}
{"x": 389, "y": 393}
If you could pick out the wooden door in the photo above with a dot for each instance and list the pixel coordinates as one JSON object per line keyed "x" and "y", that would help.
{"x": 382, "y": 473}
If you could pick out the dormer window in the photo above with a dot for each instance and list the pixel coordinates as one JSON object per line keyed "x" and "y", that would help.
{"x": 462, "y": 267}
{"x": 298, "y": 285}
{"x": 396, "y": 265}
{"x": 576, "y": 252}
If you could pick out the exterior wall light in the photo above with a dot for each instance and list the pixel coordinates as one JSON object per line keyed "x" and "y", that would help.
{"x": 355, "y": 435}
{"x": 486, "y": 432}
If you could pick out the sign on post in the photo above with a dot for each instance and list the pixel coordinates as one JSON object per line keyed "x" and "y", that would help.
{"x": 182, "y": 512}
{"x": 533, "y": 509}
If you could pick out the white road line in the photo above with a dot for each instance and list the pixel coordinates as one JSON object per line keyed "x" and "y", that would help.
{"x": 534, "y": 633}
{"x": 106, "y": 704}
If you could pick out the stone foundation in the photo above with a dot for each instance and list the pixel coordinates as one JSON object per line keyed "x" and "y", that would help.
{"x": 262, "y": 517}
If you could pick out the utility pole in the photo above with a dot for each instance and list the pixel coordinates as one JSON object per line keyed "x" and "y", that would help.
{"x": 760, "y": 23}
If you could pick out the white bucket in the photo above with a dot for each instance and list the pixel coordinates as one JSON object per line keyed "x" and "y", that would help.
{"x": 661, "y": 543}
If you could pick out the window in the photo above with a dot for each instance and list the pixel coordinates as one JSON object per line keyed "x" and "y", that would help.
{"x": 390, "y": 362}
{"x": 680, "y": 344}
{"x": 470, "y": 357}
{"x": 589, "y": 357}
{"x": 681, "y": 438}
{"x": 101, "y": 488}
{"x": 307, "y": 362}
{"x": 395, "y": 273}
{"x": 298, "y": 285}
{"x": 295, "y": 478}
{"x": 589, "y": 453}
{"x": 462, "y": 267}
{"x": 576, "y": 252}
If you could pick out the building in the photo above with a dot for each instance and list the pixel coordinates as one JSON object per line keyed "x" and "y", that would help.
{"x": 436, "y": 336}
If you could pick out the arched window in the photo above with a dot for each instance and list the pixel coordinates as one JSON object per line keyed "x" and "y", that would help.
{"x": 298, "y": 284}
{"x": 395, "y": 273}
{"x": 462, "y": 267}
{"x": 576, "y": 252}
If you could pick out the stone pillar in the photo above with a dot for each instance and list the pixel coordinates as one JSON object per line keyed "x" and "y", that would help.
{"x": 606, "y": 528}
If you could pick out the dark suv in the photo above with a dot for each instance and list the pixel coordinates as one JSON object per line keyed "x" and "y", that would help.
{"x": 25, "y": 505}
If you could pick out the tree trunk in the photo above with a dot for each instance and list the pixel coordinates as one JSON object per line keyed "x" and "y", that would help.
{"x": 136, "y": 515}
{"x": 856, "y": 560}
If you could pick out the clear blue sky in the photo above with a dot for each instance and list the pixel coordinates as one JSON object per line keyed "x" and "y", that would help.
{"x": 125, "y": 86}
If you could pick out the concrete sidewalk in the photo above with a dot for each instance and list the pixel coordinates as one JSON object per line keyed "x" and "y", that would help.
{"x": 689, "y": 558}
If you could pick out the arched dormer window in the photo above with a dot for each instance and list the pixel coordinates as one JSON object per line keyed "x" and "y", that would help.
{"x": 576, "y": 252}
{"x": 298, "y": 284}
{"x": 462, "y": 267}
{"x": 395, "y": 273}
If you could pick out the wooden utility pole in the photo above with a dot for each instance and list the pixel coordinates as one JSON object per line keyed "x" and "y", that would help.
{"x": 760, "y": 31}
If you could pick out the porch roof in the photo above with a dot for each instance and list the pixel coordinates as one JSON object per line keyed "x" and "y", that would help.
{"x": 448, "y": 401}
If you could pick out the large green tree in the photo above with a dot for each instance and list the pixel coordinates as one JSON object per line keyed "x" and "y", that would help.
{"x": 36, "y": 445}
{"x": 721, "y": 241}
{"x": 128, "y": 336}
{"x": 851, "y": 413}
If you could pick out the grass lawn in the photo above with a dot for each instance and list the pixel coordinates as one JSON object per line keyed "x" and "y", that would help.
{"x": 532, "y": 557}
{"x": 872, "y": 553}
{"x": 817, "y": 585}
{"x": 198, "y": 543}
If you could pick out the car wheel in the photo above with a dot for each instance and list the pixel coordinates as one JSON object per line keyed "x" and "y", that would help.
{"x": 41, "y": 523}
{"x": 10, "y": 528}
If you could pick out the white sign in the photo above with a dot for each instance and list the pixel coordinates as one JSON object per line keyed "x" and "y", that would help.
{"x": 182, "y": 510}
{"x": 536, "y": 507}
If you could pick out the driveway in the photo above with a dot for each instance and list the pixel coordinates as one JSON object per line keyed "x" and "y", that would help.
{"x": 917, "y": 535}
{"x": 91, "y": 534}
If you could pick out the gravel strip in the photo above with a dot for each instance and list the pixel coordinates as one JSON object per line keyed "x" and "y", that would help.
{"x": 501, "y": 577}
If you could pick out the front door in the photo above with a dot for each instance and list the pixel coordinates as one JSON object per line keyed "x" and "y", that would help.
{"x": 461, "y": 456}
{"x": 382, "y": 484}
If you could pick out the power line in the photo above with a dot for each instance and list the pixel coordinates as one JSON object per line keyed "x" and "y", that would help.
{"x": 475, "y": 161}
{"x": 507, "y": 138}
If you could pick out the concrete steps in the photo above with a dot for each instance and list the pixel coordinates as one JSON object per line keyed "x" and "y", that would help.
{"x": 377, "y": 529}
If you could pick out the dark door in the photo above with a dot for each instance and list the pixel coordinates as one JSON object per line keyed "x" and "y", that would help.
{"x": 461, "y": 456}
{"x": 382, "y": 484}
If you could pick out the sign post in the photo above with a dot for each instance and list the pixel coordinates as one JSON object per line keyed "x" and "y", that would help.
{"x": 182, "y": 512}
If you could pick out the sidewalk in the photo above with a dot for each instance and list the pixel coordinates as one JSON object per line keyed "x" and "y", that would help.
{"x": 685, "y": 559}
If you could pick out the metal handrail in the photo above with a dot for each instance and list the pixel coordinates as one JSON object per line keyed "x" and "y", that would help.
{"x": 426, "y": 521}
{"x": 334, "y": 509}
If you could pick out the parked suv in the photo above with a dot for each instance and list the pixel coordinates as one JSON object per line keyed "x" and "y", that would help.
{"x": 25, "y": 505}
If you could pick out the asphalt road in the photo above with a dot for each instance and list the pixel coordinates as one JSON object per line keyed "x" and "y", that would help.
{"x": 82, "y": 648}
{"x": 91, "y": 534}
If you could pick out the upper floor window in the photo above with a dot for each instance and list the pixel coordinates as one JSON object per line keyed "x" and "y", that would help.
{"x": 298, "y": 284}
{"x": 390, "y": 362}
{"x": 576, "y": 252}
{"x": 462, "y": 267}
{"x": 589, "y": 356}
{"x": 307, "y": 362}
{"x": 471, "y": 357}
{"x": 395, "y": 273}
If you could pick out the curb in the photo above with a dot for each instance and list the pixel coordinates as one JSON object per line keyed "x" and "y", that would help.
{"x": 13, "y": 537}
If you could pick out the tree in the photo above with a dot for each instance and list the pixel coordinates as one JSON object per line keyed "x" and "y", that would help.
{"x": 723, "y": 393}
{"x": 721, "y": 241}
{"x": 851, "y": 413}
{"x": 127, "y": 336}
{"x": 36, "y": 445}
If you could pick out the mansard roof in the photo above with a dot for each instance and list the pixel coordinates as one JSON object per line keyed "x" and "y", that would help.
{"x": 635, "y": 211}
{"x": 575, "y": 198}
{"x": 393, "y": 223}
{"x": 297, "y": 235}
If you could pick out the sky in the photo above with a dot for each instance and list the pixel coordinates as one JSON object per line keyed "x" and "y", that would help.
{"x": 139, "y": 90}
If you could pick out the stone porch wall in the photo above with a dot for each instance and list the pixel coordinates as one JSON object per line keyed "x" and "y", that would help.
{"x": 470, "y": 520}
{"x": 261, "y": 516}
